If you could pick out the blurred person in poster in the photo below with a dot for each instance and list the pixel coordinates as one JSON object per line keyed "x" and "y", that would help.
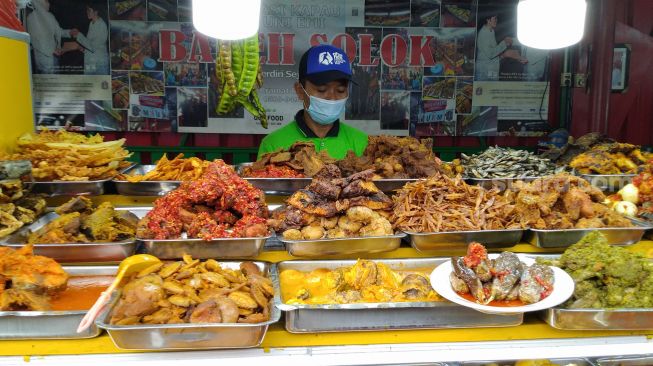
{"x": 536, "y": 64}
{"x": 94, "y": 43}
{"x": 323, "y": 89}
{"x": 46, "y": 34}
{"x": 488, "y": 51}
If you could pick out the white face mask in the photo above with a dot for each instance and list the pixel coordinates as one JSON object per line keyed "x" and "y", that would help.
{"x": 324, "y": 111}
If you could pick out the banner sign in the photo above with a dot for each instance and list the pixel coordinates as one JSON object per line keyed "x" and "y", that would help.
{"x": 422, "y": 67}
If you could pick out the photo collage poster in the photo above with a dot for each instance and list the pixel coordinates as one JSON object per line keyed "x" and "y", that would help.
{"x": 422, "y": 67}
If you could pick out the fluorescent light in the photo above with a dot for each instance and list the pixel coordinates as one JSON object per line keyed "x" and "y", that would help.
{"x": 549, "y": 24}
{"x": 227, "y": 19}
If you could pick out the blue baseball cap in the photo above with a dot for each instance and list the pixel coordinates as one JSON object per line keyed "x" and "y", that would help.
{"x": 324, "y": 63}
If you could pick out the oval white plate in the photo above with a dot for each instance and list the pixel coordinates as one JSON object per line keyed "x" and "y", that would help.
{"x": 563, "y": 288}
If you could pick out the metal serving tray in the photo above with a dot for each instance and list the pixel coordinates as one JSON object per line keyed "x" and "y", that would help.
{"x": 608, "y": 182}
{"x": 52, "y": 324}
{"x": 72, "y": 188}
{"x": 566, "y": 237}
{"x": 460, "y": 239}
{"x": 557, "y": 361}
{"x": 501, "y": 183}
{"x": 76, "y": 252}
{"x": 644, "y": 360}
{"x": 288, "y": 186}
{"x": 204, "y": 249}
{"x": 343, "y": 246}
{"x": 191, "y": 336}
{"x": 144, "y": 188}
{"x": 599, "y": 319}
{"x": 383, "y": 316}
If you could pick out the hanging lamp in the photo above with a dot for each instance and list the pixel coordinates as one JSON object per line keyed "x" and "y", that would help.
{"x": 227, "y": 19}
{"x": 550, "y": 24}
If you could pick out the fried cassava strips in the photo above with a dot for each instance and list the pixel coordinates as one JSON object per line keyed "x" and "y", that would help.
{"x": 69, "y": 156}
{"x": 175, "y": 169}
{"x": 607, "y": 276}
{"x": 441, "y": 203}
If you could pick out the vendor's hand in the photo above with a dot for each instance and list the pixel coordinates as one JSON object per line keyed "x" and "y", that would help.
{"x": 508, "y": 41}
{"x": 58, "y": 52}
{"x": 74, "y": 32}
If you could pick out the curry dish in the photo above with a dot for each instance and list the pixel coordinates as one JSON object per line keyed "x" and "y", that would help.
{"x": 364, "y": 282}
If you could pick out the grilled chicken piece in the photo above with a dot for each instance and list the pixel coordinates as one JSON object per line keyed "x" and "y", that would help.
{"x": 309, "y": 202}
{"x": 330, "y": 171}
{"x": 378, "y": 201}
{"x": 359, "y": 188}
{"x": 325, "y": 189}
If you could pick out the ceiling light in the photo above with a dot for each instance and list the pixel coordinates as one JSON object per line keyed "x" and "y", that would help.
{"x": 549, "y": 24}
{"x": 227, "y": 19}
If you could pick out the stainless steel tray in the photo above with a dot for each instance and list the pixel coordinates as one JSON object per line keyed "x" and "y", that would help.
{"x": 599, "y": 319}
{"x": 288, "y": 186}
{"x": 383, "y": 316}
{"x": 192, "y": 336}
{"x": 343, "y": 246}
{"x": 198, "y": 248}
{"x": 557, "y": 361}
{"x": 51, "y": 324}
{"x": 72, "y": 188}
{"x": 608, "y": 182}
{"x": 65, "y": 188}
{"x": 76, "y": 252}
{"x": 460, "y": 239}
{"x": 144, "y": 188}
{"x": 567, "y": 237}
{"x": 501, "y": 183}
{"x": 644, "y": 360}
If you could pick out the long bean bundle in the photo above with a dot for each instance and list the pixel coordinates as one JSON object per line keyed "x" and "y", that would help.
{"x": 443, "y": 204}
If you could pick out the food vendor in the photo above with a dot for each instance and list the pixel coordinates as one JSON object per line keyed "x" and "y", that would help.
{"x": 323, "y": 88}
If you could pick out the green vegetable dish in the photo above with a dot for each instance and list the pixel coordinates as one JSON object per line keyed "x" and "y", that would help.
{"x": 606, "y": 276}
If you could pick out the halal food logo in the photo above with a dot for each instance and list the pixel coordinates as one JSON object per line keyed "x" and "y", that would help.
{"x": 327, "y": 58}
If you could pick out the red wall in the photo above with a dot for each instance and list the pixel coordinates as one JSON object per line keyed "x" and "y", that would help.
{"x": 624, "y": 116}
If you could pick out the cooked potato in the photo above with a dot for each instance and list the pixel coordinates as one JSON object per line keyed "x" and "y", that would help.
{"x": 360, "y": 213}
{"x": 349, "y": 225}
{"x": 312, "y": 232}
{"x": 292, "y": 234}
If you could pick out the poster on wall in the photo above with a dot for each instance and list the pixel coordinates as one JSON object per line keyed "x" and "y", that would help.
{"x": 422, "y": 67}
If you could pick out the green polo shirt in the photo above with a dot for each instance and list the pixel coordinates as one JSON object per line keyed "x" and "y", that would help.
{"x": 340, "y": 139}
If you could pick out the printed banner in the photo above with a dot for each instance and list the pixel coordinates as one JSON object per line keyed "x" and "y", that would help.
{"x": 422, "y": 67}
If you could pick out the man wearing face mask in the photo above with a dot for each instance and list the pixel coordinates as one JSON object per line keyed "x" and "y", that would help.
{"x": 323, "y": 88}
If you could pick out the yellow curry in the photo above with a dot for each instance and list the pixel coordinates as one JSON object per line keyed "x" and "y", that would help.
{"x": 364, "y": 282}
